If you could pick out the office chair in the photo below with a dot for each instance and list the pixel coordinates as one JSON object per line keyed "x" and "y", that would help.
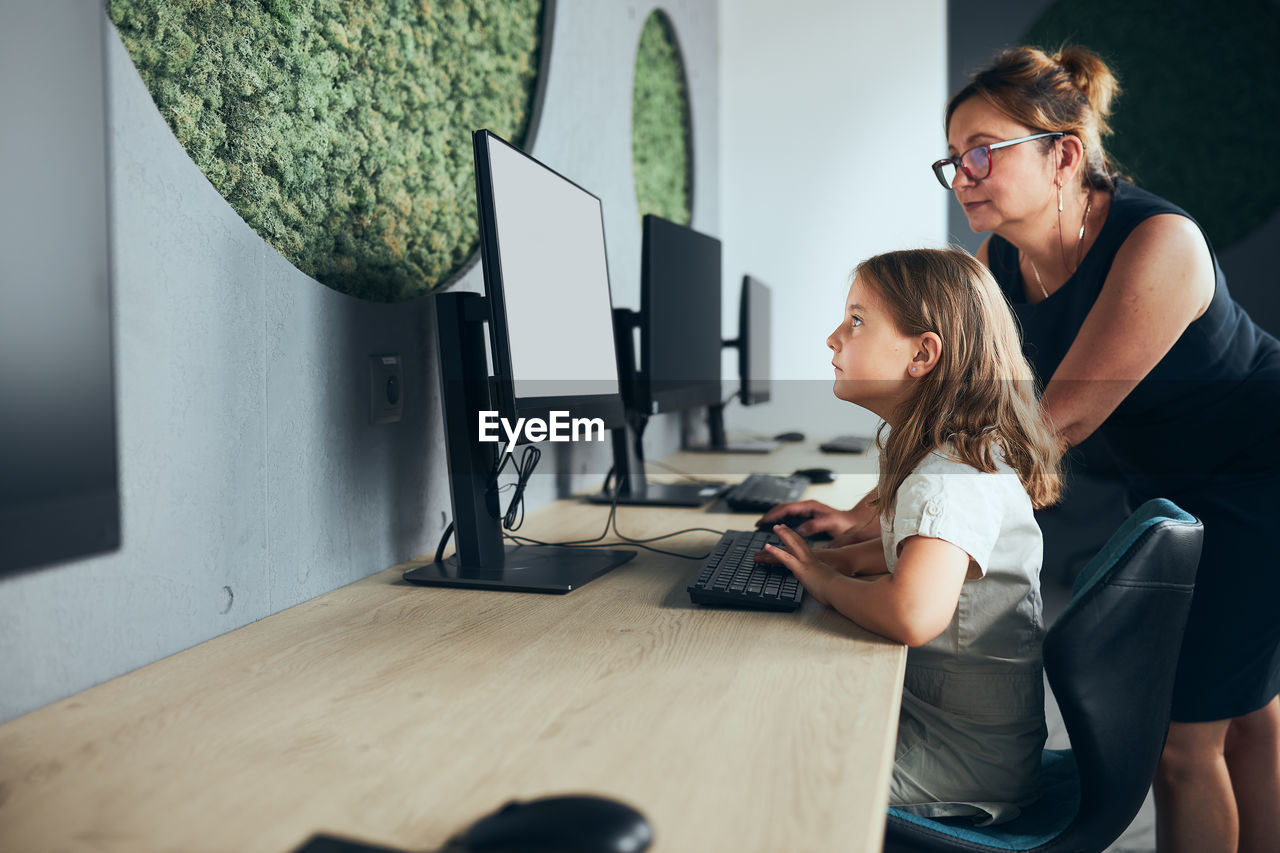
{"x": 1110, "y": 658}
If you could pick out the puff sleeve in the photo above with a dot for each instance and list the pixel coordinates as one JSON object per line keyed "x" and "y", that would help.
{"x": 957, "y": 507}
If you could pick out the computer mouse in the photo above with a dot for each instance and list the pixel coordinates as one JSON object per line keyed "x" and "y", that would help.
{"x": 816, "y": 475}
{"x": 789, "y": 436}
{"x": 562, "y": 824}
{"x": 794, "y": 521}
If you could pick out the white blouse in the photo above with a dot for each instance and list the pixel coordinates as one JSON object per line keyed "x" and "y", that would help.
{"x": 972, "y": 722}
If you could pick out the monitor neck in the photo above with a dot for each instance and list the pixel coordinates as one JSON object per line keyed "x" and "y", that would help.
{"x": 464, "y": 386}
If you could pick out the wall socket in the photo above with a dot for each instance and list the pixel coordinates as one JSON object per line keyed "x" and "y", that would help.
{"x": 386, "y": 389}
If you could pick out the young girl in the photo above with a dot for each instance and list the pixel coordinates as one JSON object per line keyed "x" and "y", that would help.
{"x": 928, "y": 343}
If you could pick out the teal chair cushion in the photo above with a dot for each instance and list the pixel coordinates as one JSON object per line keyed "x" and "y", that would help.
{"x": 1039, "y": 823}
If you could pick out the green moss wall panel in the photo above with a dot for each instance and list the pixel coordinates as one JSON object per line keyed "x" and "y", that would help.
{"x": 340, "y": 129}
{"x": 661, "y": 148}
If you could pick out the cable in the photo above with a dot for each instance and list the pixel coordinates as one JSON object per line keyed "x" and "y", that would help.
{"x": 692, "y": 478}
{"x": 612, "y": 523}
{"x": 444, "y": 540}
{"x": 524, "y": 469}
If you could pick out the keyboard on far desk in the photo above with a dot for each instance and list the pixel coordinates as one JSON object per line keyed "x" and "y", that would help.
{"x": 731, "y": 576}
{"x": 762, "y": 492}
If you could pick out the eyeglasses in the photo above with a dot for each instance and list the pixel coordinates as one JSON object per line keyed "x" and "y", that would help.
{"x": 976, "y": 162}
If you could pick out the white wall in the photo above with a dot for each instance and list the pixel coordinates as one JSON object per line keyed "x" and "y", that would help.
{"x": 830, "y": 116}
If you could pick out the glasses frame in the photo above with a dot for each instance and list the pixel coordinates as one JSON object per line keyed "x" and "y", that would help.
{"x": 958, "y": 159}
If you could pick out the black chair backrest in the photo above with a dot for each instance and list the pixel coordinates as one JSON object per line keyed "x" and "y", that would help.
{"x": 1110, "y": 658}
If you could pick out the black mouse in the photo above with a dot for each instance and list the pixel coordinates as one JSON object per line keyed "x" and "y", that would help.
{"x": 789, "y": 436}
{"x": 816, "y": 475}
{"x": 794, "y": 521}
{"x": 568, "y": 824}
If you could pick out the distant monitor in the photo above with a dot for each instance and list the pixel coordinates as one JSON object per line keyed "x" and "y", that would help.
{"x": 550, "y": 315}
{"x": 753, "y": 342}
{"x": 679, "y": 317}
{"x": 59, "y": 492}
{"x": 679, "y": 365}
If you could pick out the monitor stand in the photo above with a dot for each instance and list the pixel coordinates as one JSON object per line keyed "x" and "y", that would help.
{"x": 718, "y": 444}
{"x": 524, "y": 568}
{"x": 482, "y": 560}
{"x": 632, "y": 488}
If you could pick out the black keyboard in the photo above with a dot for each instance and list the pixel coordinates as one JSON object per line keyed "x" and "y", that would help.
{"x": 762, "y": 492}
{"x": 730, "y": 576}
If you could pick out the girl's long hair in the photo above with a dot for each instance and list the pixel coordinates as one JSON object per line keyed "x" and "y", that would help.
{"x": 980, "y": 403}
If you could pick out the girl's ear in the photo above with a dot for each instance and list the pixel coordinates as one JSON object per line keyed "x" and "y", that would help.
{"x": 928, "y": 351}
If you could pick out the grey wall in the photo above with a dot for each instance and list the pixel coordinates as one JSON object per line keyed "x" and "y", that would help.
{"x": 251, "y": 479}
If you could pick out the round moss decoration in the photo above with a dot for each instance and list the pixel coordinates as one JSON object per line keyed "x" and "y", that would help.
{"x": 1196, "y": 118}
{"x": 340, "y": 130}
{"x": 661, "y": 147}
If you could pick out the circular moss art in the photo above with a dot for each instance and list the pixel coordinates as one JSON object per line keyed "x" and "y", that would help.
{"x": 661, "y": 147}
{"x": 1196, "y": 118}
{"x": 340, "y": 130}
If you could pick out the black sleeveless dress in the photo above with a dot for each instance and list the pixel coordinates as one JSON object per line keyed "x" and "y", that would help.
{"x": 1203, "y": 430}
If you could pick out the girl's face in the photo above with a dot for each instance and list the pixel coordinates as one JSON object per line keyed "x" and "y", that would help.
{"x": 872, "y": 357}
{"x": 1021, "y": 182}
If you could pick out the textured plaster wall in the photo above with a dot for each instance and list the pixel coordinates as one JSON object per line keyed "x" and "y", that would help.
{"x": 250, "y": 477}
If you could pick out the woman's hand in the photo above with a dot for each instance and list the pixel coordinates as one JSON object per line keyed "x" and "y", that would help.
{"x": 812, "y": 572}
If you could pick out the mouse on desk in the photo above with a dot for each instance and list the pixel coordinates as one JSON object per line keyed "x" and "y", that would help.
{"x": 789, "y": 436}
{"x": 816, "y": 475}
{"x": 563, "y": 824}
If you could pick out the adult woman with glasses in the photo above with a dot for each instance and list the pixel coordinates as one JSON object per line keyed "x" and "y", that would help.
{"x": 1127, "y": 318}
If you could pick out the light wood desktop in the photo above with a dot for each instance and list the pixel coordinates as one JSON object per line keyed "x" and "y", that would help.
{"x": 397, "y": 714}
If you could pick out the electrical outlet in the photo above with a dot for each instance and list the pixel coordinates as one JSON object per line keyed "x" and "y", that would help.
{"x": 386, "y": 389}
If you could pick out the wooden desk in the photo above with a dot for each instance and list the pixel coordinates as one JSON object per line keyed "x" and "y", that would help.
{"x": 398, "y": 714}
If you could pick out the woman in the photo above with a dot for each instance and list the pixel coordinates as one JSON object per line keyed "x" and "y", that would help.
{"x": 1125, "y": 312}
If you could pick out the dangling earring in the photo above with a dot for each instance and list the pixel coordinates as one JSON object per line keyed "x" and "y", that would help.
{"x": 1059, "y": 183}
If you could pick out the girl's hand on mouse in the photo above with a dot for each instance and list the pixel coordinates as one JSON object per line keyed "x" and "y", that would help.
{"x": 812, "y": 572}
{"x": 822, "y": 518}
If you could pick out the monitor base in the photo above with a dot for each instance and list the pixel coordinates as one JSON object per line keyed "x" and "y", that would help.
{"x": 664, "y": 494}
{"x": 525, "y": 568}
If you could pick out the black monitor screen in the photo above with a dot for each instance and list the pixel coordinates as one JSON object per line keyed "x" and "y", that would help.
{"x": 753, "y": 341}
{"x": 680, "y": 316}
{"x": 59, "y": 496}
{"x": 546, "y": 275}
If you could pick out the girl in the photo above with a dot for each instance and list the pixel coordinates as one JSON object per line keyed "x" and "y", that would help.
{"x": 928, "y": 344}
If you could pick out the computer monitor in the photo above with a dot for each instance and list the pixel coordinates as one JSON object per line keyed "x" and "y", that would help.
{"x": 679, "y": 317}
{"x": 59, "y": 492}
{"x": 679, "y": 364}
{"x": 752, "y": 344}
{"x": 548, "y": 306}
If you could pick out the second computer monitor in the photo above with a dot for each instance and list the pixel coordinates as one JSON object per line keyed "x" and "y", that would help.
{"x": 753, "y": 342}
{"x": 679, "y": 318}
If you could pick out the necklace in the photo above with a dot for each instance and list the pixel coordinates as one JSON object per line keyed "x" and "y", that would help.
{"x": 1084, "y": 221}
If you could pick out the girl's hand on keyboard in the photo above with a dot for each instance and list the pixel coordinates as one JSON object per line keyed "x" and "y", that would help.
{"x": 812, "y": 573}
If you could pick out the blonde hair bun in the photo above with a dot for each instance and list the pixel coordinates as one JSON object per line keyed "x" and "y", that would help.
{"x": 1092, "y": 77}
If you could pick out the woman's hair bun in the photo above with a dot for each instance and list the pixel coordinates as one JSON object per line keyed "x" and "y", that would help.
{"x": 1091, "y": 76}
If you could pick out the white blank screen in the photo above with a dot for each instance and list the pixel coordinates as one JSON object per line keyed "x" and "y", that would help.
{"x": 555, "y": 280}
